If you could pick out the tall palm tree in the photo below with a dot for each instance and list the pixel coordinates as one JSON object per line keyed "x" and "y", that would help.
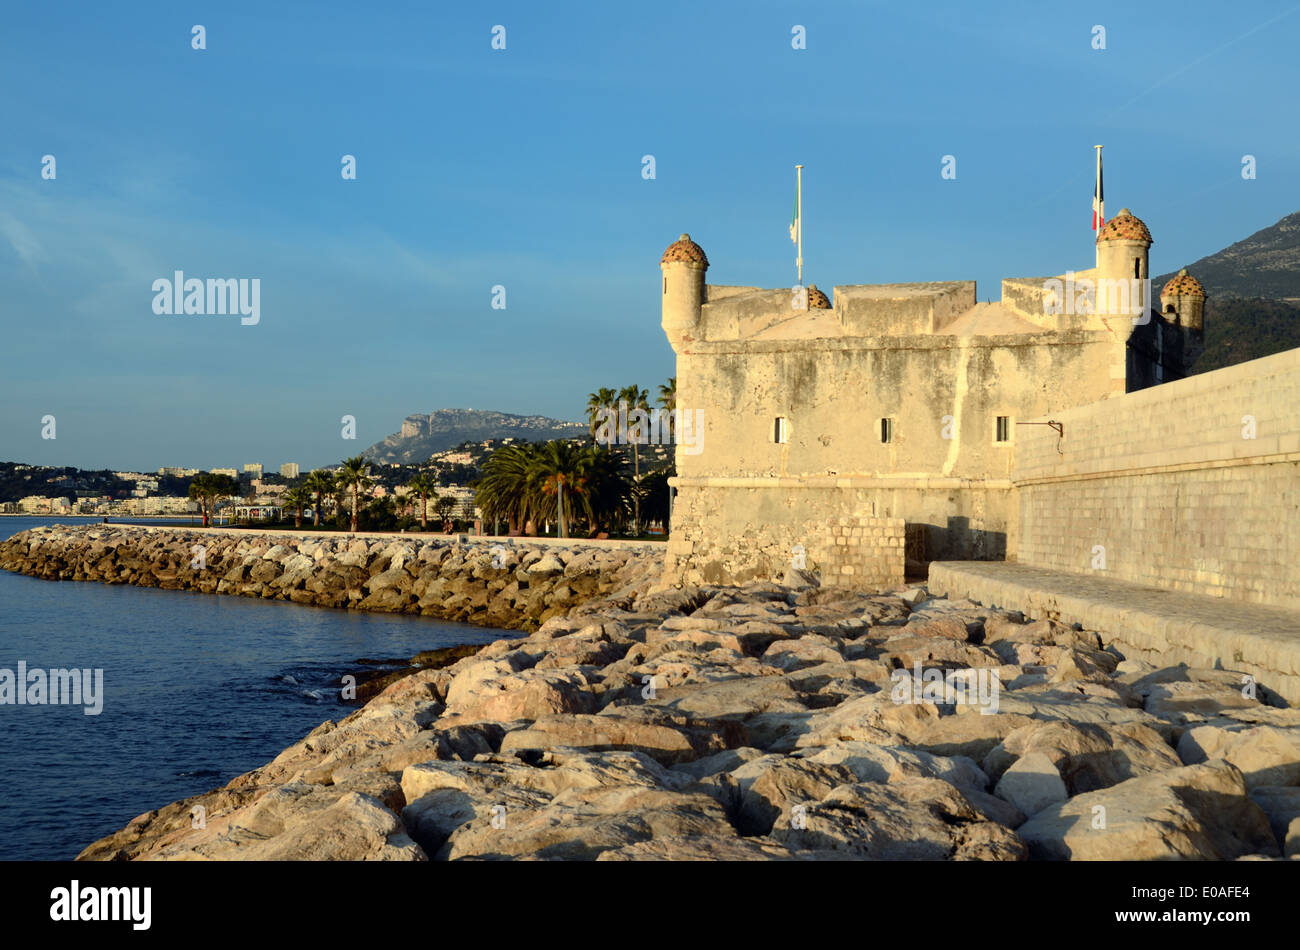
{"x": 598, "y": 401}
{"x": 208, "y": 489}
{"x": 199, "y": 491}
{"x": 668, "y": 402}
{"x": 355, "y": 478}
{"x": 219, "y": 487}
{"x": 668, "y": 394}
{"x": 424, "y": 485}
{"x": 320, "y": 483}
{"x": 606, "y": 489}
{"x": 635, "y": 397}
{"x": 298, "y": 497}
{"x": 557, "y": 471}
{"x": 502, "y": 490}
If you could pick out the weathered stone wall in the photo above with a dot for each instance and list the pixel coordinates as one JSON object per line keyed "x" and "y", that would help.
{"x": 714, "y": 546}
{"x": 744, "y": 496}
{"x": 511, "y": 586}
{"x": 1164, "y": 481}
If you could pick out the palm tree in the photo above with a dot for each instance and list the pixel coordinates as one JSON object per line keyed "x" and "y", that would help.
{"x": 220, "y": 487}
{"x": 636, "y": 399}
{"x": 320, "y": 484}
{"x": 557, "y": 466}
{"x": 606, "y": 489}
{"x": 207, "y": 489}
{"x": 199, "y": 492}
{"x": 298, "y": 497}
{"x": 424, "y": 485}
{"x": 446, "y": 506}
{"x": 668, "y": 394}
{"x": 355, "y": 478}
{"x": 598, "y": 401}
{"x": 502, "y": 490}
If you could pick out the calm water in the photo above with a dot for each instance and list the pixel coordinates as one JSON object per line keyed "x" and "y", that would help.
{"x": 198, "y": 688}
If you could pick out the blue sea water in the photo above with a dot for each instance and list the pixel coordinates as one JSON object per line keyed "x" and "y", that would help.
{"x": 198, "y": 688}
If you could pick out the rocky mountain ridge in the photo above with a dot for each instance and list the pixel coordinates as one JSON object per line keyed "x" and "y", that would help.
{"x": 423, "y": 434}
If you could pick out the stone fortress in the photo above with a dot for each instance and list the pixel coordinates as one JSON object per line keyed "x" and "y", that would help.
{"x": 882, "y": 423}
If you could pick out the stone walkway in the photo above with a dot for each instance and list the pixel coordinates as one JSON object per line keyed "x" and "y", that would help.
{"x": 1148, "y": 623}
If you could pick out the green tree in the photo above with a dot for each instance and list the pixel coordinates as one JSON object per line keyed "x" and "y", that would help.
{"x": 208, "y": 490}
{"x": 298, "y": 497}
{"x": 446, "y": 506}
{"x": 502, "y": 491}
{"x": 668, "y": 394}
{"x": 320, "y": 483}
{"x": 557, "y": 470}
{"x": 424, "y": 485}
{"x": 635, "y": 397}
{"x": 354, "y": 479}
{"x": 199, "y": 492}
{"x": 598, "y": 401}
{"x": 606, "y": 490}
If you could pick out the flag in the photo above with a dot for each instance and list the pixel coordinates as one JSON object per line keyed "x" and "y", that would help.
{"x": 794, "y": 221}
{"x": 1098, "y": 200}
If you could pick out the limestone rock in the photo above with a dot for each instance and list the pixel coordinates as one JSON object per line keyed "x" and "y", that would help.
{"x": 914, "y": 819}
{"x": 1266, "y": 755}
{"x": 1193, "y": 812}
{"x": 1088, "y": 756}
{"x": 1032, "y": 783}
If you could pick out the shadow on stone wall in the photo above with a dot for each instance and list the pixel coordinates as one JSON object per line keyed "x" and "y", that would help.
{"x": 955, "y": 541}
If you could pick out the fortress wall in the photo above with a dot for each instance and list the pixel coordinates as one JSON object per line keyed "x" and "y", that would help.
{"x": 943, "y": 394}
{"x": 744, "y": 500}
{"x": 737, "y": 530}
{"x": 1167, "y": 483}
{"x": 951, "y": 304}
{"x": 1024, "y": 297}
{"x": 735, "y": 535}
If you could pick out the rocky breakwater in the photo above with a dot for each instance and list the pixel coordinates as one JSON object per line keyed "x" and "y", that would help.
{"x": 516, "y": 586}
{"x": 770, "y": 723}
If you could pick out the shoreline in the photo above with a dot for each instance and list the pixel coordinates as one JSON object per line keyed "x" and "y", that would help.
{"x": 501, "y": 583}
{"x": 762, "y": 722}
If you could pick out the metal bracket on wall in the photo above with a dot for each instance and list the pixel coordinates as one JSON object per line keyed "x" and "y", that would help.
{"x": 1058, "y": 426}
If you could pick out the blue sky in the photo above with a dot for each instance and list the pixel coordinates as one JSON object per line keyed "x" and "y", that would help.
{"x": 522, "y": 168}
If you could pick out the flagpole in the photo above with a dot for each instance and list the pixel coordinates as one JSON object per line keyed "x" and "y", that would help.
{"x": 798, "y": 171}
{"x": 1101, "y": 202}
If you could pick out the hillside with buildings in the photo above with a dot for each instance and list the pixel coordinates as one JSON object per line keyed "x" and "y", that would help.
{"x": 424, "y": 434}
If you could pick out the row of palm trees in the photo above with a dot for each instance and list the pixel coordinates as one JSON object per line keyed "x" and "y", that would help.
{"x": 350, "y": 483}
{"x": 560, "y": 481}
{"x": 635, "y": 397}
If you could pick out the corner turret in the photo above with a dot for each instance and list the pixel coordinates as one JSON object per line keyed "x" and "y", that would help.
{"x": 683, "y": 266}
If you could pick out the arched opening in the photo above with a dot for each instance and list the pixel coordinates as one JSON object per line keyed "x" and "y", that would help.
{"x": 1169, "y": 308}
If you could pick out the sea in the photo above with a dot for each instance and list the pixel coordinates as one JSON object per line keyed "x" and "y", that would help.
{"x": 197, "y": 689}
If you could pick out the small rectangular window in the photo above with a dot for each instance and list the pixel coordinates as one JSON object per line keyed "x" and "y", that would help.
{"x": 1003, "y": 432}
{"x": 886, "y": 430}
{"x": 665, "y": 285}
{"x": 779, "y": 430}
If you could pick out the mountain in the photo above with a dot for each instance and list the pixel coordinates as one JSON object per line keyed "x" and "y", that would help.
{"x": 423, "y": 434}
{"x": 1253, "y": 305}
{"x": 1266, "y": 264}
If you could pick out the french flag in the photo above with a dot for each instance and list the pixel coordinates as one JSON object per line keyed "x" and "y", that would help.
{"x": 1098, "y": 199}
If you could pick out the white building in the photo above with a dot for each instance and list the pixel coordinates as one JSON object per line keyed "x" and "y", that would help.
{"x": 289, "y": 470}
